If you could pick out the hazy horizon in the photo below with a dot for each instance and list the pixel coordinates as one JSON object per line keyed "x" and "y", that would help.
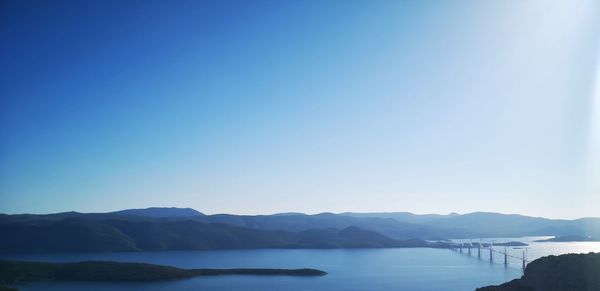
{"x": 300, "y": 212}
{"x": 308, "y": 106}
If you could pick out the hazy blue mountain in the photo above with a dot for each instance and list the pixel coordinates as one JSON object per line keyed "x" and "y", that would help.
{"x": 120, "y": 233}
{"x": 589, "y": 226}
{"x": 300, "y": 222}
{"x": 401, "y": 216}
{"x": 160, "y": 212}
{"x": 142, "y": 213}
{"x": 39, "y": 217}
{"x": 497, "y": 225}
{"x": 188, "y": 229}
{"x": 288, "y": 213}
{"x": 488, "y": 224}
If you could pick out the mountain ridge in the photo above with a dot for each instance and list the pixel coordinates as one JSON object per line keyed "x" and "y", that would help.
{"x": 186, "y": 228}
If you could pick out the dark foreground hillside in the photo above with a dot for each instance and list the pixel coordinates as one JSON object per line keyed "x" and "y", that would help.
{"x": 571, "y": 272}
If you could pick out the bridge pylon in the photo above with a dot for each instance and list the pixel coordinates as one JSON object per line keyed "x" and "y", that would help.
{"x": 469, "y": 246}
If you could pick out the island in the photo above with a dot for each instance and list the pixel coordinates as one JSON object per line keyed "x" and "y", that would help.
{"x": 557, "y": 273}
{"x": 12, "y": 272}
{"x": 569, "y": 238}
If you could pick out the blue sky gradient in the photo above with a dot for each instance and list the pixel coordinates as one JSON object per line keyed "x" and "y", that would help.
{"x": 269, "y": 106}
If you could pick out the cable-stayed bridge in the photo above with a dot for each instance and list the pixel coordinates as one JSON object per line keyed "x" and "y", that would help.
{"x": 487, "y": 251}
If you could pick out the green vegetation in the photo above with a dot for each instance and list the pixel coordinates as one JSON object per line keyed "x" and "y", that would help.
{"x": 557, "y": 273}
{"x": 19, "y": 271}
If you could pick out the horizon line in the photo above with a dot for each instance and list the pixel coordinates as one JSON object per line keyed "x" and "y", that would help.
{"x": 300, "y": 213}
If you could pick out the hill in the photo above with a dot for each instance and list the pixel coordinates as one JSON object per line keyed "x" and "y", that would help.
{"x": 569, "y": 238}
{"x": 301, "y": 222}
{"x": 83, "y": 234}
{"x": 557, "y": 273}
{"x": 401, "y": 216}
{"x": 489, "y": 224}
{"x": 160, "y": 212}
{"x": 188, "y": 229}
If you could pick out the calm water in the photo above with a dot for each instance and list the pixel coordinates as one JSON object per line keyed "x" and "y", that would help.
{"x": 349, "y": 269}
{"x": 535, "y": 249}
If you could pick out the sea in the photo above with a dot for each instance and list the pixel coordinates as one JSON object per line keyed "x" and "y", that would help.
{"x": 348, "y": 269}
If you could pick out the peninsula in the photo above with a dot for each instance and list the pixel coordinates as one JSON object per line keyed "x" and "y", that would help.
{"x": 570, "y": 238}
{"x": 12, "y": 272}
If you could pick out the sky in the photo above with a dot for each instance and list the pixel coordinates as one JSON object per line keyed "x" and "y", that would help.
{"x": 258, "y": 107}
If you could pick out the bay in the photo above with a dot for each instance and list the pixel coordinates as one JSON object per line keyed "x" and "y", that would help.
{"x": 349, "y": 269}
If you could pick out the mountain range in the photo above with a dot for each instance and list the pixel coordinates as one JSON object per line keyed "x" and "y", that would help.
{"x": 187, "y": 229}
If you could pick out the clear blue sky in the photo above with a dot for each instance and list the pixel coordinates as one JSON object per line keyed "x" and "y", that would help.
{"x": 268, "y": 106}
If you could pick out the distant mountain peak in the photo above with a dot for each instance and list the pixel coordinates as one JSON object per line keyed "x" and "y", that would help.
{"x": 288, "y": 214}
{"x": 160, "y": 212}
